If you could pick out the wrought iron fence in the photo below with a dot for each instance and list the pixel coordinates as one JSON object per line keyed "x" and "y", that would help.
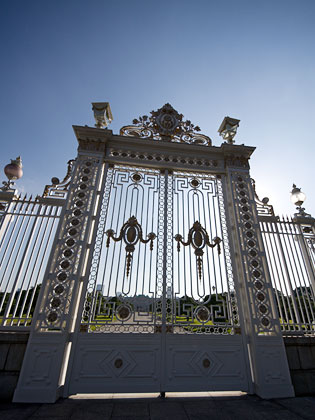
{"x": 290, "y": 252}
{"x": 27, "y": 231}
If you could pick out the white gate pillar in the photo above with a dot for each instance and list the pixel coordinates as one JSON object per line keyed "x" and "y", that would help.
{"x": 269, "y": 366}
{"x": 46, "y": 358}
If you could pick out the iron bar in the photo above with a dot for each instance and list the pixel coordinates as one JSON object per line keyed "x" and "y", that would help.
{"x": 24, "y": 246}
{"x": 291, "y": 274}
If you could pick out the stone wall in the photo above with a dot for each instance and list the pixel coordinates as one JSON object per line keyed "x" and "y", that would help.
{"x": 301, "y": 358}
{"x": 12, "y": 349}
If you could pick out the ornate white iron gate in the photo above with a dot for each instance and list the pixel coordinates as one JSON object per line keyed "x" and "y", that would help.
{"x": 160, "y": 312}
{"x": 157, "y": 280}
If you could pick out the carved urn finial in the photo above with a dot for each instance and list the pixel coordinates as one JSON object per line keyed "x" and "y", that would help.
{"x": 228, "y": 129}
{"x": 13, "y": 172}
{"x": 102, "y": 114}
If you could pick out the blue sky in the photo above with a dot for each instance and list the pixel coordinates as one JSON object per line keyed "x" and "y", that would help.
{"x": 252, "y": 60}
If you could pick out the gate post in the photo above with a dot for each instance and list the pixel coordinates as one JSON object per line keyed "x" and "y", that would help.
{"x": 268, "y": 360}
{"x": 45, "y": 363}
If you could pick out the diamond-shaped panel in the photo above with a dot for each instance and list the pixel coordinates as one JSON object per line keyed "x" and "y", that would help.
{"x": 206, "y": 362}
{"x": 118, "y": 363}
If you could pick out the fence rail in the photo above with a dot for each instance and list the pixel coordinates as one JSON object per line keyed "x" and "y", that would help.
{"x": 27, "y": 231}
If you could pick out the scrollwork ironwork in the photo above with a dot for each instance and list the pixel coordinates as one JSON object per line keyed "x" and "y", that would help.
{"x": 198, "y": 238}
{"x": 263, "y": 208}
{"x": 59, "y": 188}
{"x": 131, "y": 233}
{"x": 166, "y": 124}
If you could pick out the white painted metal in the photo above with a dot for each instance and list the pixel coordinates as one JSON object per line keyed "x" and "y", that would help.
{"x": 185, "y": 355}
{"x": 115, "y": 351}
{"x": 27, "y": 231}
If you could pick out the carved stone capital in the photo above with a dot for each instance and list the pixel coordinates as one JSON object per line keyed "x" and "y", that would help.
{"x": 92, "y": 139}
{"x": 237, "y": 161}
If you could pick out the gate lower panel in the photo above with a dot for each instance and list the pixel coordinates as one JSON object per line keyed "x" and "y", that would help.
{"x": 116, "y": 363}
{"x": 133, "y": 363}
{"x": 205, "y": 363}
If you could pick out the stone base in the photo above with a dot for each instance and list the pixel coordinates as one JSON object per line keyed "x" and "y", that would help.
{"x": 301, "y": 359}
{"x": 12, "y": 350}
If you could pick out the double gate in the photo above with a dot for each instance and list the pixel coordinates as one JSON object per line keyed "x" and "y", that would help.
{"x": 157, "y": 280}
{"x": 160, "y": 312}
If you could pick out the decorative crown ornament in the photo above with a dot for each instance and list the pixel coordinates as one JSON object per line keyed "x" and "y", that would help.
{"x": 166, "y": 124}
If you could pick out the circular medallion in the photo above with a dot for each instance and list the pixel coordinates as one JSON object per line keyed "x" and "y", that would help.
{"x": 260, "y": 296}
{"x": 202, "y": 314}
{"x": 263, "y": 308}
{"x": 65, "y": 264}
{"x": 123, "y": 312}
{"x": 70, "y": 242}
{"x": 258, "y": 284}
{"x": 136, "y": 177}
{"x": 59, "y": 289}
{"x": 52, "y": 317}
{"x": 167, "y": 123}
{"x": 195, "y": 183}
{"x": 68, "y": 253}
{"x": 55, "y": 302}
{"x": 62, "y": 276}
{"x": 265, "y": 321}
{"x": 72, "y": 232}
{"x": 77, "y": 213}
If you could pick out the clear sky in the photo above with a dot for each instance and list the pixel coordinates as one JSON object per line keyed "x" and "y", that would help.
{"x": 251, "y": 60}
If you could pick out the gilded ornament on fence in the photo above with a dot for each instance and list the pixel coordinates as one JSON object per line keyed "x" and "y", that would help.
{"x": 198, "y": 238}
{"x": 131, "y": 233}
